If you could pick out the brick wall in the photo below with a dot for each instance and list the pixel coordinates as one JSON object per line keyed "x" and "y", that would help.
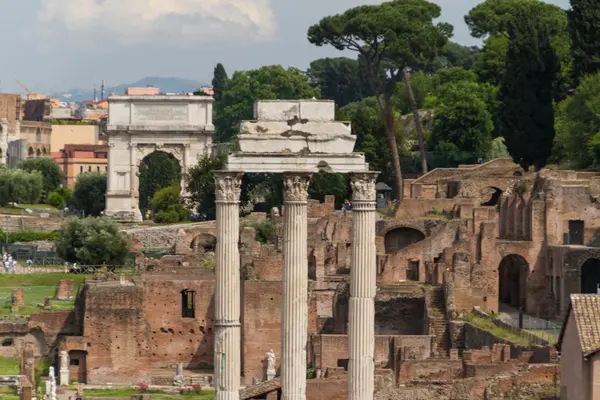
{"x": 261, "y": 326}
{"x": 175, "y": 339}
{"x": 117, "y": 334}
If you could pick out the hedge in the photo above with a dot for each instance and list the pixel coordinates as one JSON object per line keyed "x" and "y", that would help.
{"x": 29, "y": 236}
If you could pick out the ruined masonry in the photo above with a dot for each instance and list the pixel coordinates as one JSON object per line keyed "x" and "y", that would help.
{"x": 296, "y": 139}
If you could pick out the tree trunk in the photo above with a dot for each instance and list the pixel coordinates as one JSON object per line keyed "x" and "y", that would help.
{"x": 387, "y": 114}
{"x": 417, "y": 118}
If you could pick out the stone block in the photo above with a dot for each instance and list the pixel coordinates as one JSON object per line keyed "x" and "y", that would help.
{"x": 286, "y": 110}
{"x": 64, "y": 290}
{"x": 17, "y": 299}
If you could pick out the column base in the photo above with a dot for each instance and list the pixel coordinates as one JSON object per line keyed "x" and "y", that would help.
{"x": 125, "y": 216}
{"x": 235, "y": 395}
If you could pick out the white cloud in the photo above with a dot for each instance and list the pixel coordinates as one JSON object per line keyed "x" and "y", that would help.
{"x": 132, "y": 22}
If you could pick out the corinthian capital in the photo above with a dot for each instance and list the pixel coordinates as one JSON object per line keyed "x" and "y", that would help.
{"x": 295, "y": 186}
{"x": 228, "y": 186}
{"x": 363, "y": 186}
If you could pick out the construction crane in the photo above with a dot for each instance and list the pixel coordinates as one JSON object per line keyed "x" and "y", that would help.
{"x": 23, "y": 86}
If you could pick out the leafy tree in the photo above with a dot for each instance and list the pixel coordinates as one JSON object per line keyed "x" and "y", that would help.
{"x": 322, "y": 185}
{"x": 490, "y": 64}
{"x": 201, "y": 184}
{"x": 168, "y": 205}
{"x": 526, "y": 117}
{"x": 92, "y": 241}
{"x": 498, "y": 149}
{"x": 368, "y": 127}
{"x": 463, "y": 124}
{"x": 158, "y": 170}
{"x": 578, "y": 124}
{"x": 89, "y": 193}
{"x": 338, "y": 79}
{"x": 49, "y": 169}
{"x": 584, "y": 26}
{"x": 421, "y": 86}
{"x": 244, "y": 88}
{"x": 60, "y": 198}
{"x": 496, "y": 17}
{"x": 219, "y": 81}
{"x": 390, "y": 37}
{"x": 20, "y": 186}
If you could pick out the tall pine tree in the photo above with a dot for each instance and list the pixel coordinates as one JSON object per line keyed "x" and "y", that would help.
{"x": 526, "y": 117}
{"x": 584, "y": 27}
{"x": 218, "y": 82}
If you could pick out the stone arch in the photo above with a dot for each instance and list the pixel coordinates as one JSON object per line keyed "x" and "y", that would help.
{"x": 491, "y": 196}
{"x": 30, "y": 152}
{"x": 513, "y": 272}
{"x": 44, "y": 152}
{"x": 8, "y": 342}
{"x": 590, "y": 276}
{"x": 143, "y": 158}
{"x": 204, "y": 242}
{"x": 400, "y": 237}
{"x": 38, "y": 153}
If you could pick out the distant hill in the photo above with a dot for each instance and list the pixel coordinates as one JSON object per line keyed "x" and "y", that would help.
{"x": 167, "y": 85}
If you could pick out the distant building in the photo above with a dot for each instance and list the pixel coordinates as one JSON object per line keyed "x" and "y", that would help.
{"x": 77, "y": 159}
{"x": 579, "y": 345}
{"x": 147, "y": 91}
{"x": 207, "y": 90}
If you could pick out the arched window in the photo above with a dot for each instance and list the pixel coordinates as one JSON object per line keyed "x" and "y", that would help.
{"x": 188, "y": 301}
{"x": 38, "y": 135}
{"x": 7, "y": 342}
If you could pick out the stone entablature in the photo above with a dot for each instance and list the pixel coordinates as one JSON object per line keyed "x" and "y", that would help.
{"x": 140, "y": 125}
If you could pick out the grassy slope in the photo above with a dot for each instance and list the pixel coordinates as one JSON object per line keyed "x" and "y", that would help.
{"x": 36, "y": 287}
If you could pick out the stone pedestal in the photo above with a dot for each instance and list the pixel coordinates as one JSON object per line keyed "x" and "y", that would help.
{"x": 295, "y": 287}
{"x": 17, "y": 299}
{"x": 227, "y": 289}
{"x": 361, "y": 316}
{"x": 64, "y": 368}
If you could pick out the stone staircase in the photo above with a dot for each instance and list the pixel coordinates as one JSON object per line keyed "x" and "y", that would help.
{"x": 436, "y": 310}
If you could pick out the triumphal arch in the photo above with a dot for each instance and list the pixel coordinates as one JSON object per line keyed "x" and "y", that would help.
{"x": 140, "y": 125}
{"x": 297, "y": 139}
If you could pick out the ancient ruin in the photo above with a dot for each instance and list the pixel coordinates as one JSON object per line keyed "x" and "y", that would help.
{"x": 140, "y": 125}
{"x": 296, "y": 139}
{"x": 407, "y": 303}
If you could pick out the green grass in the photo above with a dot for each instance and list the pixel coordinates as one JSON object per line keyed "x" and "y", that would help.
{"x": 8, "y": 394}
{"x": 128, "y": 392}
{"x": 42, "y": 368}
{"x": 20, "y": 209}
{"x": 546, "y": 334}
{"x": 9, "y": 366}
{"x": 489, "y": 326}
{"x": 36, "y": 287}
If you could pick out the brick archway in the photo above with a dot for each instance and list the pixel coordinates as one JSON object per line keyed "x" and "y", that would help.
{"x": 513, "y": 272}
{"x": 401, "y": 237}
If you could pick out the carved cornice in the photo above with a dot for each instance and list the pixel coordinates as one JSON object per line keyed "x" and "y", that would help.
{"x": 228, "y": 186}
{"x": 295, "y": 187}
{"x": 363, "y": 186}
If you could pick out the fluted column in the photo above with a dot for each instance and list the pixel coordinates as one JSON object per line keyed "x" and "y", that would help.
{"x": 295, "y": 287}
{"x": 227, "y": 287}
{"x": 361, "y": 315}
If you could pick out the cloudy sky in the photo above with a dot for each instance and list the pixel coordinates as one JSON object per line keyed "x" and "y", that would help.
{"x": 56, "y": 45}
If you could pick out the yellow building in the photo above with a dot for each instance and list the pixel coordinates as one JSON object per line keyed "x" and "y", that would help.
{"x": 63, "y": 135}
{"x": 76, "y": 159}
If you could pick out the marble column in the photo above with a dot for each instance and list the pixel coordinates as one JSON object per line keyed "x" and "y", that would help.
{"x": 227, "y": 287}
{"x": 295, "y": 287}
{"x": 361, "y": 315}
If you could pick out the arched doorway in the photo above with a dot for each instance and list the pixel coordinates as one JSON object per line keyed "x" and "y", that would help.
{"x": 156, "y": 171}
{"x": 590, "y": 276}
{"x": 38, "y": 153}
{"x": 399, "y": 238}
{"x": 30, "y": 152}
{"x": 513, "y": 272}
{"x": 491, "y": 196}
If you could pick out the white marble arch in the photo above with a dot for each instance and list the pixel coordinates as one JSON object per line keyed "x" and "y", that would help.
{"x": 140, "y": 125}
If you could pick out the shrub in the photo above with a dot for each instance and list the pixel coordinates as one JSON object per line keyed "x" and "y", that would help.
{"x": 51, "y": 175}
{"x": 265, "y": 231}
{"x": 29, "y": 236}
{"x": 19, "y": 186}
{"x": 168, "y": 206}
{"x": 89, "y": 193}
{"x": 92, "y": 241}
